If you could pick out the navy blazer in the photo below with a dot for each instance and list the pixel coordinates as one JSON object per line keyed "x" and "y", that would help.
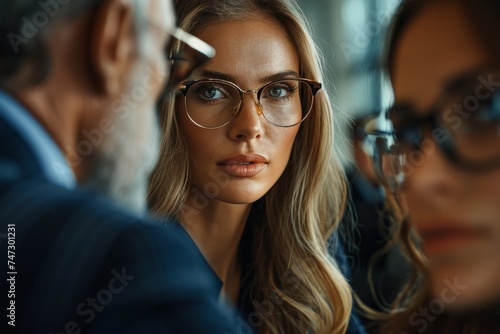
{"x": 83, "y": 265}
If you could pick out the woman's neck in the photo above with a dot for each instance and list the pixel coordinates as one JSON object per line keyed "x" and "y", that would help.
{"x": 217, "y": 229}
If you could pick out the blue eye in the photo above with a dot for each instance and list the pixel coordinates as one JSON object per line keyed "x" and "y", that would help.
{"x": 281, "y": 90}
{"x": 211, "y": 93}
{"x": 277, "y": 92}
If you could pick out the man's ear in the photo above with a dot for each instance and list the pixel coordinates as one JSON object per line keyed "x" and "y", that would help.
{"x": 112, "y": 43}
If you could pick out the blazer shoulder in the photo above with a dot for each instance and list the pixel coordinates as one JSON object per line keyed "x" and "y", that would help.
{"x": 73, "y": 244}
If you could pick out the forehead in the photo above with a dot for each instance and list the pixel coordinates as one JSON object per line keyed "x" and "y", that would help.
{"x": 439, "y": 44}
{"x": 250, "y": 49}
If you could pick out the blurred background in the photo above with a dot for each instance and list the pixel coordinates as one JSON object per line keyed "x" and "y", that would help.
{"x": 351, "y": 35}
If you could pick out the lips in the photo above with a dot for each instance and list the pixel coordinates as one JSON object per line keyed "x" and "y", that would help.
{"x": 244, "y": 165}
{"x": 448, "y": 237}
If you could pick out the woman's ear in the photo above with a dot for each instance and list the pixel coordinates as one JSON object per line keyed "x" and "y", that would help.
{"x": 112, "y": 44}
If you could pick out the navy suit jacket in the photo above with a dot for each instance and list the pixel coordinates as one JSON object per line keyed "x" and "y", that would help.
{"x": 83, "y": 265}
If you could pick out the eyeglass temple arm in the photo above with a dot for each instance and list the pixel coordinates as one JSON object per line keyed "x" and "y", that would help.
{"x": 193, "y": 42}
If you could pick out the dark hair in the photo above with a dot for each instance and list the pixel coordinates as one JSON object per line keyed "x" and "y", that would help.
{"x": 22, "y": 23}
{"x": 483, "y": 17}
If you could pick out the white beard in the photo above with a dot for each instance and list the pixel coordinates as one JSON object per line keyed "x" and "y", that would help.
{"x": 122, "y": 163}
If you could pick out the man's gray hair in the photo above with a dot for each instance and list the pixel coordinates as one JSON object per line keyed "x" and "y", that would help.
{"x": 22, "y": 25}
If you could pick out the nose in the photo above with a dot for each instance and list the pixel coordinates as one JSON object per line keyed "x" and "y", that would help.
{"x": 247, "y": 125}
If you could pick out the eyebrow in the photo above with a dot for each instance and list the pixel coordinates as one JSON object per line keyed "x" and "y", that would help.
{"x": 281, "y": 75}
{"x": 462, "y": 82}
{"x": 467, "y": 77}
{"x": 228, "y": 77}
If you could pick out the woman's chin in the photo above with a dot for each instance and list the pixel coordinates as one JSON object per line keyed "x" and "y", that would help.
{"x": 466, "y": 288}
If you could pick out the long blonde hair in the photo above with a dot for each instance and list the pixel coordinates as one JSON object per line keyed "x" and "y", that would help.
{"x": 301, "y": 210}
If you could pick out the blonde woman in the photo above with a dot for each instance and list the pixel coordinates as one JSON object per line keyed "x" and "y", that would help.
{"x": 249, "y": 168}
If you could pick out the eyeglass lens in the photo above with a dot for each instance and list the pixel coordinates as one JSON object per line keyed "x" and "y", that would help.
{"x": 466, "y": 130}
{"x": 215, "y": 103}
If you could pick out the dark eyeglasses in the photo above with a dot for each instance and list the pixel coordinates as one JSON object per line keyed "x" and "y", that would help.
{"x": 464, "y": 123}
{"x": 213, "y": 103}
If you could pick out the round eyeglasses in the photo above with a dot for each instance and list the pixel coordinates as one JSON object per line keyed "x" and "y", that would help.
{"x": 213, "y": 103}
